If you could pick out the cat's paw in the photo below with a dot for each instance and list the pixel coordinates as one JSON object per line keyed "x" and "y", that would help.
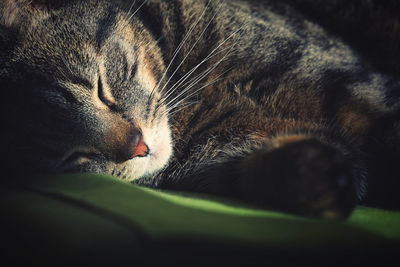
{"x": 324, "y": 180}
{"x": 306, "y": 177}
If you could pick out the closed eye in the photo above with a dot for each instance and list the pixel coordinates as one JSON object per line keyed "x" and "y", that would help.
{"x": 76, "y": 158}
{"x": 104, "y": 95}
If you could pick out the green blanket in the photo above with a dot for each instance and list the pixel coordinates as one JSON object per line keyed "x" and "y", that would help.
{"x": 96, "y": 220}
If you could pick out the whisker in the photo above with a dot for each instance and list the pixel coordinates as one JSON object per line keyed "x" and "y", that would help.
{"x": 177, "y": 50}
{"x": 168, "y": 111}
{"x": 183, "y": 107}
{"x": 137, "y": 10}
{"x": 198, "y": 79}
{"x": 187, "y": 75}
{"x": 134, "y": 13}
{"x": 209, "y": 70}
{"x": 176, "y": 102}
{"x": 129, "y": 11}
{"x": 209, "y": 55}
{"x": 201, "y": 75}
{"x": 193, "y": 46}
{"x": 198, "y": 90}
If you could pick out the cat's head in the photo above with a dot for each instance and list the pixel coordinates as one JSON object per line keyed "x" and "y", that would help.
{"x": 81, "y": 86}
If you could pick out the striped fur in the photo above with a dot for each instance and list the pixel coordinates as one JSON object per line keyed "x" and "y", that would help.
{"x": 242, "y": 99}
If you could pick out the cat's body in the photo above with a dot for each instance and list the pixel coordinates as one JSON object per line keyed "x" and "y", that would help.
{"x": 282, "y": 110}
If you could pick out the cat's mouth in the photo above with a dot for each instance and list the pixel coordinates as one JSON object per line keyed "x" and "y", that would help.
{"x": 147, "y": 151}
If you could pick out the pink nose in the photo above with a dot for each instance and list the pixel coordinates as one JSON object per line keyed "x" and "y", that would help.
{"x": 137, "y": 147}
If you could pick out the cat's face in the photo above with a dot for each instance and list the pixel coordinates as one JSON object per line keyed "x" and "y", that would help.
{"x": 85, "y": 83}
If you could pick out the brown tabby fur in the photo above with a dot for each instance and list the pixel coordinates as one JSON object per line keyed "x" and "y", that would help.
{"x": 278, "y": 113}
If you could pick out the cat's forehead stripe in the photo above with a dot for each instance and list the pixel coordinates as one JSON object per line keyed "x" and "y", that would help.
{"x": 106, "y": 26}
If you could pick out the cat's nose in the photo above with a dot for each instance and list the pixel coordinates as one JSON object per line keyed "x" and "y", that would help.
{"x": 137, "y": 148}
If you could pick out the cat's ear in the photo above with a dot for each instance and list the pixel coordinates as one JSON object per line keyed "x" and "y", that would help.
{"x": 13, "y": 11}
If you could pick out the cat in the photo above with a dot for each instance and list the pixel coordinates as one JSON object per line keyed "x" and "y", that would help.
{"x": 243, "y": 99}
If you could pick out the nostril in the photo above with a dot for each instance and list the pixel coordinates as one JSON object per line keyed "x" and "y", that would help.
{"x": 138, "y": 147}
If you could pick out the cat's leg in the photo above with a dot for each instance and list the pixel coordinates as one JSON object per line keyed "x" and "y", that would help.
{"x": 300, "y": 174}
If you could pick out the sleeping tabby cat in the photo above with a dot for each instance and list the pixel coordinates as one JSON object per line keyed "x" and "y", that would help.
{"x": 243, "y": 99}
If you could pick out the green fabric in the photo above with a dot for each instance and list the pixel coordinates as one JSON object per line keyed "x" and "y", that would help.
{"x": 98, "y": 219}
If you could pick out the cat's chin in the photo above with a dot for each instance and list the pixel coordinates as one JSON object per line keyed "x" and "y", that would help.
{"x": 159, "y": 141}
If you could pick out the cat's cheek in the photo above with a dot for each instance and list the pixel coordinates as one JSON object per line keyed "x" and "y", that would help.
{"x": 162, "y": 153}
{"x": 160, "y": 144}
